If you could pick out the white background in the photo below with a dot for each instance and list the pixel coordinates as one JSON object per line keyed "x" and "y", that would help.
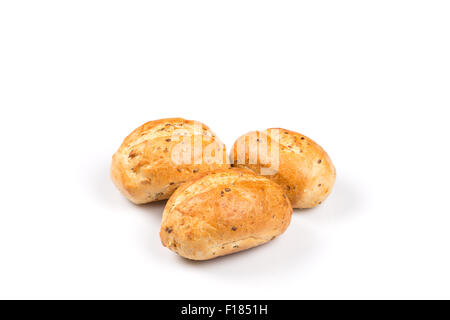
{"x": 368, "y": 80}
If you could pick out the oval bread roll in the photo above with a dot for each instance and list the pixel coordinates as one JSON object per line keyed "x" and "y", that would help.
{"x": 160, "y": 155}
{"x": 224, "y": 212}
{"x": 292, "y": 160}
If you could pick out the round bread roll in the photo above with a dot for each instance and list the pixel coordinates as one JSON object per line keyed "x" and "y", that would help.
{"x": 292, "y": 160}
{"x": 223, "y": 212}
{"x": 160, "y": 155}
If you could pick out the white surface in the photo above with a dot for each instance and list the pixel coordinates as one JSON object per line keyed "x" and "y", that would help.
{"x": 367, "y": 80}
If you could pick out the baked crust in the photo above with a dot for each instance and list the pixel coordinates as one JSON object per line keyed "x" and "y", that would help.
{"x": 223, "y": 212}
{"x": 146, "y": 167}
{"x": 302, "y": 167}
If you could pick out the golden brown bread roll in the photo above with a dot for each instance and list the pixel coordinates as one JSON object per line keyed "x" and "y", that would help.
{"x": 294, "y": 161}
{"x": 223, "y": 212}
{"x": 160, "y": 155}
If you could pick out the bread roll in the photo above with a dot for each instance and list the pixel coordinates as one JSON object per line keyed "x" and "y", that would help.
{"x": 294, "y": 161}
{"x": 160, "y": 155}
{"x": 224, "y": 212}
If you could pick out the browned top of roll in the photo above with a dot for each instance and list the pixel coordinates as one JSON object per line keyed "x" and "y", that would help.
{"x": 160, "y": 155}
{"x": 224, "y": 212}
